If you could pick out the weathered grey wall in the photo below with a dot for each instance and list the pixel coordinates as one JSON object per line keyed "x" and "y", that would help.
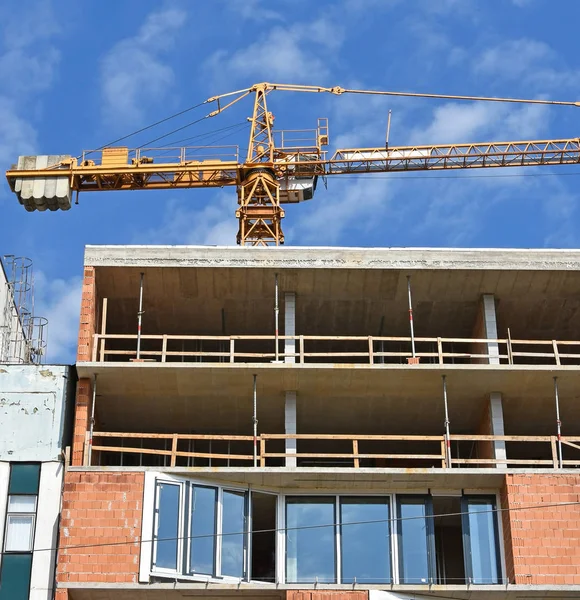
{"x": 33, "y": 411}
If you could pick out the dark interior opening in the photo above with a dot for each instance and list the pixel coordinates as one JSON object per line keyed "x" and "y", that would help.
{"x": 263, "y": 537}
{"x": 450, "y": 561}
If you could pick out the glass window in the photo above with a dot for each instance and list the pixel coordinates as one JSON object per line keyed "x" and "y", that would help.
{"x": 481, "y": 540}
{"x": 15, "y": 576}
{"x": 365, "y": 547}
{"x": 167, "y": 526}
{"x": 415, "y": 539}
{"x": 19, "y": 533}
{"x": 310, "y": 540}
{"x": 233, "y": 536}
{"x": 22, "y": 504}
{"x": 203, "y": 530}
{"x": 24, "y": 478}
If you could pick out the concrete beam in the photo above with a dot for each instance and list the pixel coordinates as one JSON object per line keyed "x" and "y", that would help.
{"x": 486, "y": 328}
{"x": 290, "y": 427}
{"x": 289, "y": 325}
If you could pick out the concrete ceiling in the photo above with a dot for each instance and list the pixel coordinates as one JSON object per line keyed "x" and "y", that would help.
{"x": 182, "y": 397}
{"x": 211, "y": 300}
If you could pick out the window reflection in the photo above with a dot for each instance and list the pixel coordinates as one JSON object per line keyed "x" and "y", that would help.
{"x": 310, "y": 540}
{"x": 203, "y": 529}
{"x": 414, "y": 539}
{"x": 167, "y": 527}
{"x": 234, "y": 509}
{"x": 365, "y": 547}
{"x": 482, "y": 540}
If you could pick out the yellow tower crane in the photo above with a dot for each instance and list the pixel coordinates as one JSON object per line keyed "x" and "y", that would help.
{"x": 281, "y": 167}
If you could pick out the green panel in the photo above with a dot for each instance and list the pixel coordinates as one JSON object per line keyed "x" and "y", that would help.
{"x": 15, "y": 576}
{"x": 24, "y": 478}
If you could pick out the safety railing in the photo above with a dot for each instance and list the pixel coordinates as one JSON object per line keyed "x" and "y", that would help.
{"x": 373, "y": 350}
{"x": 357, "y": 451}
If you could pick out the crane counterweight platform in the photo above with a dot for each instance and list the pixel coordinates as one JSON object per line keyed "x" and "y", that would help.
{"x": 279, "y": 168}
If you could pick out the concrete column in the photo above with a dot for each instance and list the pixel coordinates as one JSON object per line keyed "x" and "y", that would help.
{"x": 289, "y": 324}
{"x": 486, "y": 328}
{"x": 492, "y": 424}
{"x": 290, "y": 427}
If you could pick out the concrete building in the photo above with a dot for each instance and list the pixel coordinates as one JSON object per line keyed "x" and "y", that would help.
{"x": 33, "y": 436}
{"x": 272, "y": 429}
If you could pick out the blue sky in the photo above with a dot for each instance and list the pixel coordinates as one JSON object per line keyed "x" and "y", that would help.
{"x": 76, "y": 75}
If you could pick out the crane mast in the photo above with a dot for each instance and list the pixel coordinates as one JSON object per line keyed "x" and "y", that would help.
{"x": 273, "y": 173}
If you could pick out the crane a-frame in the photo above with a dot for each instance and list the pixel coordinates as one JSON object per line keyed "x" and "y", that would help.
{"x": 278, "y": 169}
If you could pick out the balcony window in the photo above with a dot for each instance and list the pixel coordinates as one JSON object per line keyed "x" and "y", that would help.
{"x": 365, "y": 537}
{"x": 215, "y": 532}
{"x": 481, "y": 539}
{"x": 415, "y": 533}
{"x": 203, "y": 529}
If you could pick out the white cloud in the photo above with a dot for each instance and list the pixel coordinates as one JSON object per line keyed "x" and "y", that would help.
{"x": 295, "y": 54}
{"x": 356, "y": 207}
{"x": 134, "y": 74}
{"x": 255, "y": 10}
{"x": 28, "y": 63}
{"x": 481, "y": 121}
{"x": 213, "y": 225}
{"x": 17, "y": 136}
{"x": 59, "y": 301}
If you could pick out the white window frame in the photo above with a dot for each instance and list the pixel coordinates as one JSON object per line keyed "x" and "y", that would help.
{"x": 10, "y": 514}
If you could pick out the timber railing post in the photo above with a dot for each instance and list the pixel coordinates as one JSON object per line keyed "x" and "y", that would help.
{"x": 554, "y": 446}
{"x": 174, "y": 449}
{"x": 355, "y": 452}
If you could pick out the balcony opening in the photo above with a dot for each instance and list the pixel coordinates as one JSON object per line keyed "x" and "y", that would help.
{"x": 263, "y": 537}
{"x": 450, "y": 562}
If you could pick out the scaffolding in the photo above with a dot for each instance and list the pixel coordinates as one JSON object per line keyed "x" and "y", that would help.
{"x": 23, "y": 335}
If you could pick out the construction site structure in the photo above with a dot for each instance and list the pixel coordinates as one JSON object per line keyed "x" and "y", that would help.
{"x": 23, "y": 335}
{"x": 280, "y": 167}
{"x": 256, "y": 424}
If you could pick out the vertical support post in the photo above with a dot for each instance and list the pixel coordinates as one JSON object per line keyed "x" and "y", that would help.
{"x": 388, "y": 130}
{"x": 413, "y": 360}
{"x": 255, "y": 421}
{"x": 174, "y": 450}
{"x": 447, "y": 440}
{"x": 140, "y": 316}
{"x": 290, "y": 327}
{"x": 164, "y": 349}
{"x": 103, "y": 330}
{"x": 558, "y": 422}
{"x": 290, "y": 428}
{"x": 355, "y": 453}
{"x": 276, "y": 319}
{"x": 92, "y": 422}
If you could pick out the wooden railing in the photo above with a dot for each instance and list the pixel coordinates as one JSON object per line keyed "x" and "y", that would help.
{"x": 239, "y": 449}
{"x": 374, "y": 350}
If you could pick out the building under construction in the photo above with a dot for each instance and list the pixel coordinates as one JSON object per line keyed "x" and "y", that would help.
{"x": 293, "y": 422}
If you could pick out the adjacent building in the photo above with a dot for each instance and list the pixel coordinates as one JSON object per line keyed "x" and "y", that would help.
{"x": 261, "y": 422}
{"x": 34, "y": 421}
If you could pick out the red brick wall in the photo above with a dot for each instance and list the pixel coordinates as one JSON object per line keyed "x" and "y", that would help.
{"x": 325, "y": 595}
{"x": 83, "y": 402}
{"x": 88, "y": 316}
{"x": 100, "y": 509}
{"x": 542, "y": 545}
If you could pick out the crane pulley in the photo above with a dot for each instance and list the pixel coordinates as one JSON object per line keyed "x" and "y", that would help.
{"x": 278, "y": 169}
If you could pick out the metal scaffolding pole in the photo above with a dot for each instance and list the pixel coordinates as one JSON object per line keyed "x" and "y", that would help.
{"x": 558, "y": 422}
{"x": 92, "y": 421}
{"x": 255, "y": 423}
{"x": 411, "y": 316}
{"x": 277, "y": 318}
{"x": 139, "y": 317}
{"x": 447, "y": 440}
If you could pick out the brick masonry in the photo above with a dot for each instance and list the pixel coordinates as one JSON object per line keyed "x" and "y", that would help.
{"x": 325, "y": 595}
{"x": 542, "y": 545}
{"x": 101, "y": 514}
{"x": 84, "y": 353}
